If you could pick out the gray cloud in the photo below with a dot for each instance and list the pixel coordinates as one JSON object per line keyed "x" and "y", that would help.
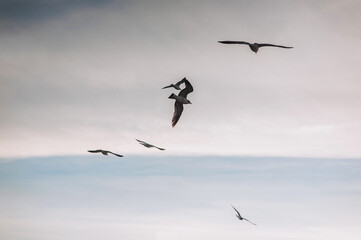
{"x": 93, "y": 76}
{"x": 22, "y": 11}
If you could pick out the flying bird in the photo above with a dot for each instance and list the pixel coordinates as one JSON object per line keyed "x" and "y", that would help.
{"x": 104, "y": 152}
{"x": 177, "y": 85}
{"x": 149, "y": 145}
{"x": 253, "y": 46}
{"x": 238, "y": 215}
{"x": 180, "y": 100}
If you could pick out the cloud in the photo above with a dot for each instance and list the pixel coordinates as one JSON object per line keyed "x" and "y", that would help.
{"x": 92, "y": 77}
{"x": 21, "y": 11}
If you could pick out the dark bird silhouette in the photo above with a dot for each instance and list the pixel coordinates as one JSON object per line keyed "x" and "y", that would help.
{"x": 253, "y": 46}
{"x": 180, "y": 100}
{"x": 104, "y": 152}
{"x": 238, "y": 215}
{"x": 177, "y": 85}
{"x": 145, "y": 144}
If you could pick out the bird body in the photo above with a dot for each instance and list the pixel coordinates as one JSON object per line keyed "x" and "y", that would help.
{"x": 104, "y": 152}
{"x": 238, "y": 215}
{"x": 147, "y": 145}
{"x": 180, "y": 99}
{"x": 253, "y": 46}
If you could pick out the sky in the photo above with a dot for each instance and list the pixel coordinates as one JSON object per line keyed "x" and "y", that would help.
{"x": 174, "y": 197}
{"x": 276, "y": 133}
{"x": 88, "y": 74}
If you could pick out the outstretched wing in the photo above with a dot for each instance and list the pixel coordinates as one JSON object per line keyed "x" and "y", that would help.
{"x": 141, "y": 142}
{"x": 159, "y": 148}
{"x": 234, "y": 42}
{"x": 176, "y": 86}
{"x": 180, "y": 82}
{"x": 188, "y": 89}
{"x": 271, "y": 45}
{"x": 118, "y": 155}
{"x": 145, "y": 144}
{"x": 95, "y": 151}
{"x": 178, "y": 109}
{"x": 249, "y": 221}
{"x": 239, "y": 215}
{"x": 167, "y": 86}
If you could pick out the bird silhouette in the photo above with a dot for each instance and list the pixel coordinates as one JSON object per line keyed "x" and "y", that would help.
{"x": 145, "y": 144}
{"x": 104, "y": 152}
{"x": 253, "y": 46}
{"x": 238, "y": 215}
{"x": 180, "y": 100}
{"x": 177, "y": 85}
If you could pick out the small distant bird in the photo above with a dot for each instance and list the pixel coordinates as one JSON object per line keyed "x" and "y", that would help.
{"x": 177, "y": 85}
{"x": 149, "y": 145}
{"x": 180, "y": 100}
{"x": 253, "y": 46}
{"x": 104, "y": 152}
{"x": 238, "y": 215}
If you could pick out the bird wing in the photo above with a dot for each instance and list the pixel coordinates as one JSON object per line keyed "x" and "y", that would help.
{"x": 178, "y": 109}
{"x": 180, "y": 82}
{"x": 95, "y": 151}
{"x": 118, "y": 155}
{"x": 145, "y": 144}
{"x": 271, "y": 45}
{"x": 176, "y": 86}
{"x": 234, "y": 42}
{"x": 249, "y": 221}
{"x": 167, "y": 86}
{"x": 141, "y": 142}
{"x": 185, "y": 91}
{"x": 159, "y": 148}
{"x": 239, "y": 215}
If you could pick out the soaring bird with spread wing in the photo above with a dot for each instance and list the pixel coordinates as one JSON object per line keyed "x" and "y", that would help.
{"x": 253, "y": 46}
{"x": 147, "y": 145}
{"x": 104, "y": 152}
{"x": 238, "y": 215}
{"x": 180, "y": 100}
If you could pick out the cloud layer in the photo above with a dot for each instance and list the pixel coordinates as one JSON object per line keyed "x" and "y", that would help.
{"x": 90, "y": 76}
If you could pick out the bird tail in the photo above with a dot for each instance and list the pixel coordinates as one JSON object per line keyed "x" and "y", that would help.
{"x": 172, "y": 96}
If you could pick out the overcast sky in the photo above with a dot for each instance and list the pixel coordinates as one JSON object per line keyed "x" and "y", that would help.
{"x": 277, "y": 134}
{"x": 76, "y": 75}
